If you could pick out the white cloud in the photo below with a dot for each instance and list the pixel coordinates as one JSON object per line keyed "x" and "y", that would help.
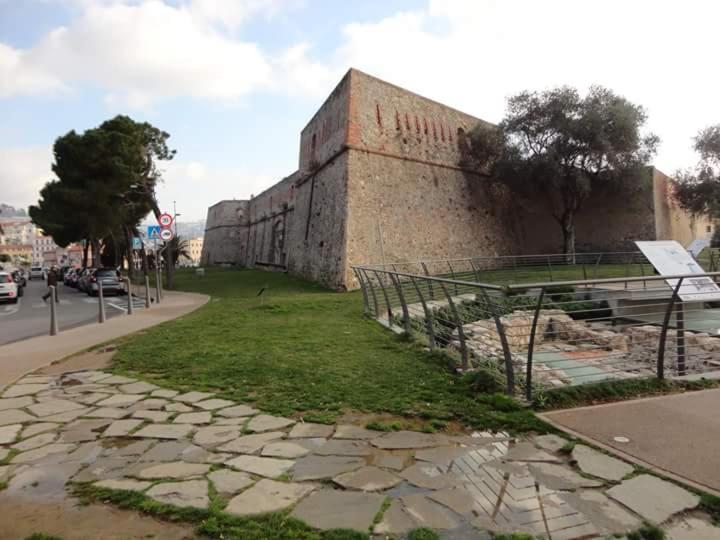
{"x": 138, "y": 54}
{"x": 23, "y": 172}
{"x": 472, "y": 54}
{"x": 196, "y": 185}
{"x": 233, "y": 13}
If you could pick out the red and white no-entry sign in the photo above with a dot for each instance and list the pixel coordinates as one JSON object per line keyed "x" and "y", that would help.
{"x": 165, "y": 220}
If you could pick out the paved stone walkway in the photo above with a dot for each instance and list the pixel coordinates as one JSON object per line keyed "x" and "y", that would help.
{"x": 121, "y": 433}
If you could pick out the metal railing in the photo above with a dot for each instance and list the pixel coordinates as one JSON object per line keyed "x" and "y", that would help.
{"x": 544, "y": 334}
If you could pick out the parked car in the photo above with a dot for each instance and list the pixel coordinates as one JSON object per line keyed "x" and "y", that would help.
{"x": 71, "y": 277}
{"x": 83, "y": 279}
{"x": 8, "y": 288}
{"x": 19, "y": 278}
{"x": 108, "y": 279}
{"x": 37, "y": 272}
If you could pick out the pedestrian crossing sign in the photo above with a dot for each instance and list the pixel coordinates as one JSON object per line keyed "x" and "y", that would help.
{"x": 153, "y": 232}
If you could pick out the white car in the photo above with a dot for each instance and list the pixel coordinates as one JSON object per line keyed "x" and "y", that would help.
{"x": 37, "y": 272}
{"x": 8, "y": 288}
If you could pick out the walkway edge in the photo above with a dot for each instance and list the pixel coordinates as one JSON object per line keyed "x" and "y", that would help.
{"x": 19, "y": 358}
{"x": 658, "y": 471}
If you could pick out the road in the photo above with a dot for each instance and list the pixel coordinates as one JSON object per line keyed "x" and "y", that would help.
{"x": 30, "y": 317}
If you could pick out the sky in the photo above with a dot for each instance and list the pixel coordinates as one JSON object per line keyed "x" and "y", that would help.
{"x": 234, "y": 81}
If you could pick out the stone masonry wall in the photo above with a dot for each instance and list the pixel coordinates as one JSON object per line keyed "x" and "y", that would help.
{"x": 609, "y": 221}
{"x": 225, "y": 240}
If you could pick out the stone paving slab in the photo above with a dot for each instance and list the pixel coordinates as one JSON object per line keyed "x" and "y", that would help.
{"x": 165, "y": 431}
{"x": 305, "y": 430}
{"x": 262, "y": 466}
{"x": 461, "y": 484}
{"x": 598, "y": 464}
{"x": 268, "y": 496}
{"x": 265, "y": 422}
{"x": 237, "y": 411}
{"x": 191, "y": 493}
{"x": 652, "y": 498}
{"x": 15, "y": 416}
{"x": 367, "y": 479}
{"x": 230, "y": 482}
{"x": 333, "y": 509}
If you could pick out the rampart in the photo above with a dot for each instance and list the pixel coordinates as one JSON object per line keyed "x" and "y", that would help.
{"x": 380, "y": 178}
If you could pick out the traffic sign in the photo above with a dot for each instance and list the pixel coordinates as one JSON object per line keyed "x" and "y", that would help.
{"x": 166, "y": 235}
{"x": 136, "y": 242}
{"x": 153, "y": 232}
{"x": 165, "y": 220}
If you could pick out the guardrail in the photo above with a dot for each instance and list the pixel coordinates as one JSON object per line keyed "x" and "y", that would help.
{"x": 544, "y": 334}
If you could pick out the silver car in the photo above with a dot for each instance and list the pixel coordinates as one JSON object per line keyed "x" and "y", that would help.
{"x": 37, "y": 272}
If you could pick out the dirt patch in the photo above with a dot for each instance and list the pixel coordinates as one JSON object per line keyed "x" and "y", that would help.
{"x": 70, "y": 521}
{"x": 98, "y": 359}
{"x": 362, "y": 419}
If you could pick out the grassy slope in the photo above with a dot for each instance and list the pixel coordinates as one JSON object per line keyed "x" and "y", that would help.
{"x": 306, "y": 350}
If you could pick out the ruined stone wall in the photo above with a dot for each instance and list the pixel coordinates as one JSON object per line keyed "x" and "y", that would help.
{"x": 225, "y": 240}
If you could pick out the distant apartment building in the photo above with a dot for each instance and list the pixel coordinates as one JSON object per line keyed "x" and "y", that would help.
{"x": 194, "y": 250}
{"x": 17, "y": 231}
{"x": 43, "y": 245}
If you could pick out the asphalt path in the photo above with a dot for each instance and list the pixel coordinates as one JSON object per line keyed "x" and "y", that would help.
{"x": 678, "y": 434}
{"x": 30, "y": 317}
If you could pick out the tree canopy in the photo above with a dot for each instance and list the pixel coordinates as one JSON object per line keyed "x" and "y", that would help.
{"x": 105, "y": 184}
{"x": 697, "y": 190}
{"x": 555, "y": 147}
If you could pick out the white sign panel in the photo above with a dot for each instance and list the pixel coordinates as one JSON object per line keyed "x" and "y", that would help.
{"x": 697, "y": 245}
{"x": 671, "y": 259}
{"x": 166, "y": 234}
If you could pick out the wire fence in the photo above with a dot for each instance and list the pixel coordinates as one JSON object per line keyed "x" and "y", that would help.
{"x": 536, "y": 333}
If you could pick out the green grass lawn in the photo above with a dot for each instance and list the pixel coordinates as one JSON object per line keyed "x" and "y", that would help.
{"x": 306, "y": 351}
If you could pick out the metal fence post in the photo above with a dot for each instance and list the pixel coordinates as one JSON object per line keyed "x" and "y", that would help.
{"x": 53, "y": 312}
{"x": 430, "y": 286}
{"x": 130, "y": 306}
{"x": 663, "y": 331}
{"x": 372, "y": 292}
{"x": 458, "y": 325}
{"x": 549, "y": 268}
{"x": 101, "y": 303}
{"x": 428, "y": 316}
{"x": 680, "y": 336}
{"x": 387, "y": 300}
{"x": 147, "y": 291}
{"x": 507, "y": 355}
{"x": 403, "y": 304}
{"x": 597, "y": 266}
{"x": 531, "y": 346}
{"x": 475, "y": 270}
{"x": 452, "y": 273}
{"x": 366, "y": 304}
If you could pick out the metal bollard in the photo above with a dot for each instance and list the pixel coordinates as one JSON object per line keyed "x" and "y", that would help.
{"x": 130, "y": 306}
{"x": 101, "y": 304}
{"x": 147, "y": 291}
{"x": 157, "y": 285}
{"x": 53, "y": 313}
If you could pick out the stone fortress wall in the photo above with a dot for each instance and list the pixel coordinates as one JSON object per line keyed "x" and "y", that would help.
{"x": 380, "y": 179}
